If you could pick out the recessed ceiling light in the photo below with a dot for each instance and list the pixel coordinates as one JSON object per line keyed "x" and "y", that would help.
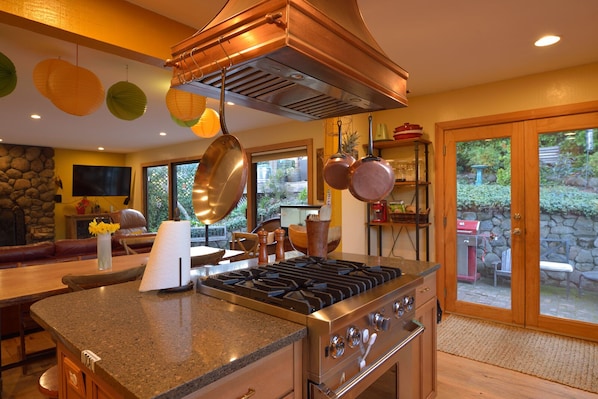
{"x": 35, "y": 116}
{"x": 230, "y": 103}
{"x": 100, "y": 148}
{"x": 547, "y": 41}
{"x": 162, "y": 133}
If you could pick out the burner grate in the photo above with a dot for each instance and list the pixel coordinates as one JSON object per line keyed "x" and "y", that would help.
{"x": 303, "y": 284}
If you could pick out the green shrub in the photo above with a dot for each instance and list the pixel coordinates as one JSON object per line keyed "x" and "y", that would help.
{"x": 553, "y": 199}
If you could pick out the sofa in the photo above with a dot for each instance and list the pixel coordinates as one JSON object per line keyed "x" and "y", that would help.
{"x": 133, "y": 224}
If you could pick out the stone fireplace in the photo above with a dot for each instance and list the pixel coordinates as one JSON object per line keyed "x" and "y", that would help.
{"x": 27, "y": 192}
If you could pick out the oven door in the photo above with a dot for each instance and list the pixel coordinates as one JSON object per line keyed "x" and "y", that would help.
{"x": 373, "y": 373}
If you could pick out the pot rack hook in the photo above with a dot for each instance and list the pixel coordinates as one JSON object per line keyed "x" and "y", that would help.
{"x": 181, "y": 65}
{"x": 196, "y": 64}
{"x": 230, "y": 61}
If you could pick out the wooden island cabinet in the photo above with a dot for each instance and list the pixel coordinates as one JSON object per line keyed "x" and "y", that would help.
{"x": 77, "y": 381}
{"x": 426, "y": 313}
{"x": 276, "y": 376}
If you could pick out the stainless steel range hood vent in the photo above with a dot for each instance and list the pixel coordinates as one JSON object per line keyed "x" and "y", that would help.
{"x": 303, "y": 59}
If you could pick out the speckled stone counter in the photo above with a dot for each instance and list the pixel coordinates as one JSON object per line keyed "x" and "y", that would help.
{"x": 412, "y": 267}
{"x": 162, "y": 345}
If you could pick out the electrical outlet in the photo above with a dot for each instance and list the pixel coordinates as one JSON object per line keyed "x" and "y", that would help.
{"x": 89, "y": 359}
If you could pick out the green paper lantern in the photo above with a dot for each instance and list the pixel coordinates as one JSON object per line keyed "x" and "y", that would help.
{"x": 8, "y": 76}
{"x": 126, "y": 101}
{"x": 182, "y": 122}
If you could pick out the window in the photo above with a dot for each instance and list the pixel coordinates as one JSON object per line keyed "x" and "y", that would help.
{"x": 278, "y": 175}
{"x": 156, "y": 194}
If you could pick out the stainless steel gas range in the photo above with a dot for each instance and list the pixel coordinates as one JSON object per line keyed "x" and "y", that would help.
{"x": 358, "y": 316}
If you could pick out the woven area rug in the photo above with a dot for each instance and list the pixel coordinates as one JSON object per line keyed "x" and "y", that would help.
{"x": 568, "y": 361}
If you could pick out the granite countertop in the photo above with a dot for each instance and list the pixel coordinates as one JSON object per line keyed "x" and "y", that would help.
{"x": 155, "y": 345}
{"x": 412, "y": 267}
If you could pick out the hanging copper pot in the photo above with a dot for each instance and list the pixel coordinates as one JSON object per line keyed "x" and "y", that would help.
{"x": 336, "y": 169}
{"x": 371, "y": 178}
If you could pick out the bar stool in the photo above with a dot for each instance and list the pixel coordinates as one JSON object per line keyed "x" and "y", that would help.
{"x": 48, "y": 382}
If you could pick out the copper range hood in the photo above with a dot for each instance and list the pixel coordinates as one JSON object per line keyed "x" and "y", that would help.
{"x": 303, "y": 59}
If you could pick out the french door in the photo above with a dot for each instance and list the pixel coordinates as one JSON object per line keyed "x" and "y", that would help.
{"x": 512, "y": 250}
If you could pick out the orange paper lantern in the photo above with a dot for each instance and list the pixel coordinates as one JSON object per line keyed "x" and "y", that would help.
{"x": 75, "y": 90}
{"x": 208, "y": 125}
{"x": 184, "y": 105}
{"x": 42, "y": 72}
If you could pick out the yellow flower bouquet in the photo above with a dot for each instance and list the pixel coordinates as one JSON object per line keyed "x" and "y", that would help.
{"x": 97, "y": 228}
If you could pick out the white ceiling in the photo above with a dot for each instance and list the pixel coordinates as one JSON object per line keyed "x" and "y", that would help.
{"x": 444, "y": 45}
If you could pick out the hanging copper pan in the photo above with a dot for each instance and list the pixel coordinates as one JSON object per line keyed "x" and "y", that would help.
{"x": 371, "y": 178}
{"x": 336, "y": 169}
{"x": 221, "y": 175}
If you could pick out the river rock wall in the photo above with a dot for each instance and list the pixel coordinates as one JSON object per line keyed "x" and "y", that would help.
{"x": 27, "y": 185}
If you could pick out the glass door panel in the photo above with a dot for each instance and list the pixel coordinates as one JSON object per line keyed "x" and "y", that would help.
{"x": 568, "y": 192}
{"x": 484, "y": 244}
{"x": 483, "y": 222}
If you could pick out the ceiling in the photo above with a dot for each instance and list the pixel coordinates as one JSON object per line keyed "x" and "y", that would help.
{"x": 443, "y": 45}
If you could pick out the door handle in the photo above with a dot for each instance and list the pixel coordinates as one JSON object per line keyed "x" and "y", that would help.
{"x": 516, "y": 232}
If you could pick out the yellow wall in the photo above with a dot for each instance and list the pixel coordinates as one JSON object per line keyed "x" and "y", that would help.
{"x": 64, "y": 161}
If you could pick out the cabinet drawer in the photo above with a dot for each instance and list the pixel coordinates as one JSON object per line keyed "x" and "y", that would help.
{"x": 426, "y": 291}
{"x": 74, "y": 377}
{"x": 268, "y": 378}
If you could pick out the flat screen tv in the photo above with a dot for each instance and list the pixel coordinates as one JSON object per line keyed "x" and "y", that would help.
{"x": 101, "y": 181}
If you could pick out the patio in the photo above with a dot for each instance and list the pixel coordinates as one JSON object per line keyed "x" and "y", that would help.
{"x": 553, "y": 300}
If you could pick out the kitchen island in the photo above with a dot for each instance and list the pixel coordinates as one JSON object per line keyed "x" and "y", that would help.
{"x": 155, "y": 345}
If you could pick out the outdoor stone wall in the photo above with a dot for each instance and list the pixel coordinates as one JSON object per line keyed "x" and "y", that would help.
{"x": 27, "y": 183}
{"x": 580, "y": 232}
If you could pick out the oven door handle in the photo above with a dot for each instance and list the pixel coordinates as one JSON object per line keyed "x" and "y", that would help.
{"x": 352, "y": 383}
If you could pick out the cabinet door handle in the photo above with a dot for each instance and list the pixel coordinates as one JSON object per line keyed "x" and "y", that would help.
{"x": 425, "y": 289}
{"x": 249, "y": 394}
{"x": 73, "y": 378}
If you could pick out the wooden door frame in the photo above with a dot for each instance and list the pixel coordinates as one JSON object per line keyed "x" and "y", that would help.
{"x": 440, "y": 225}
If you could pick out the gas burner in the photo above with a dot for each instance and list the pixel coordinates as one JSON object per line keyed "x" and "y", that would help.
{"x": 303, "y": 284}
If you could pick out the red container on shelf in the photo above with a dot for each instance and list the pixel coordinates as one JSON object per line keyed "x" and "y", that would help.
{"x": 379, "y": 211}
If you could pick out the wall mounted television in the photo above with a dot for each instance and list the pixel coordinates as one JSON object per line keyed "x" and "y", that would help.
{"x": 101, "y": 181}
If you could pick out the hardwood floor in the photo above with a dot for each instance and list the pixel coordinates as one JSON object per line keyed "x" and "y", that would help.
{"x": 21, "y": 382}
{"x": 458, "y": 378}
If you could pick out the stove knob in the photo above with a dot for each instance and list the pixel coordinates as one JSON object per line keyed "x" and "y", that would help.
{"x": 380, "y": 322}
{"x": 398, "y": 308}
{"x": 353, "y": 337}
{"x": 337, "y": 346}
{"x": 410, "y": 302}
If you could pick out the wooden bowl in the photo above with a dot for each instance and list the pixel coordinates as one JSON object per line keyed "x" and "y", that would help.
{"x": 298, "y": 237}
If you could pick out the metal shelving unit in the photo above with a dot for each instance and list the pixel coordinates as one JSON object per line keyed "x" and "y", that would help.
{"x": 420, "y": 186}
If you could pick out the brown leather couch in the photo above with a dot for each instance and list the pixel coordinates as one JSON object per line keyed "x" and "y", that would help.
{"x": 132, "y": 223}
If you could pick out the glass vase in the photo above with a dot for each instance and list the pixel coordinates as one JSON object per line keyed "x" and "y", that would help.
{"x": 104, "y": 251}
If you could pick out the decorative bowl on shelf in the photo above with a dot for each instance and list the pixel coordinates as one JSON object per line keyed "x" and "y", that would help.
{"x": 407, "y": 131}
{"x": 298, "y": 237}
